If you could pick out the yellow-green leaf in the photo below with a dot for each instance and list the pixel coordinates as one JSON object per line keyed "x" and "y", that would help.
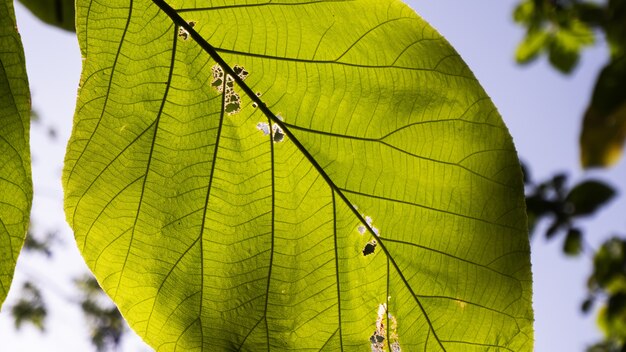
{"x": 15, "y": 178}
{"x": 532, "y": 45}
{"x": 320, "y": 175}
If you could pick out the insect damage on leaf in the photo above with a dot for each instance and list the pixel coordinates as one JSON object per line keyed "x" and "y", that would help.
{"x": 369, "y": 247}
{"x": 370, "y": 223}
{"x": 232, "y": 100}
{"x": 263, "y": 127}
{"x": 218, "y": 77}
{"x": 277, "y": 133}
{"x": 183, "y": 33}
{"x": 241, "y": 72}
{"x": 377, "y": 339}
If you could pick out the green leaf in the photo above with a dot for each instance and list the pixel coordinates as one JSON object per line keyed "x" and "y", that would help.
{"x": 604, "y": 124}
{"x": 609, "y": 262}
{"x": 566, "y": 43}
{"x": 323, "y": 175}
{"x": 573, "y": 244}
{"x": 532, "y": 45}
{"x": 59, "y": 13}
{"x": 15, "y": 178}
{"x": 588, "y": 196}
{"x": 562, "y": 57}
{"x": 525, "y": 12}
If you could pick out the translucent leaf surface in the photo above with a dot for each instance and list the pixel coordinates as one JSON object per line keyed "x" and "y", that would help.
{"x": 317, "y": 175}
{"x": 15, "y": 180}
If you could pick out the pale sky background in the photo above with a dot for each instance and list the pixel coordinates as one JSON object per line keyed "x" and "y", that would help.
{"x": 541, "y": 107}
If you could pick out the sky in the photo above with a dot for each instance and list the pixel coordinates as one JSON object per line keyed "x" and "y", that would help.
{"x": 541, "y": 107}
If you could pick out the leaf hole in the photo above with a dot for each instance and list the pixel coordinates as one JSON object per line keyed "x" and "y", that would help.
{"x": 225, "y": 83}
{"x": 378, "y": 337}
{"x": 370, "y": 224}
{"x": 382, "y": 331}
{"x": 263, "y": 127}
{"x": 241, "y": 72}
{"x": 183, "y": 33}
{"x": 218, "y": 77}
{"x": 369, "y": 248}
{"x": 277, "y": 133}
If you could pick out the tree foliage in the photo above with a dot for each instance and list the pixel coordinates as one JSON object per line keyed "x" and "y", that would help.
{"x": 561, "y": 29}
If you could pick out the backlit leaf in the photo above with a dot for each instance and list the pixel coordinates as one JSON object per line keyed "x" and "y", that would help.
{"x": 15, "y": 180}
{"x": 319, "y": 175}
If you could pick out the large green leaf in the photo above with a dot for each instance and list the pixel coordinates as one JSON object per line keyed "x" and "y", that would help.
{"x": 358, "y": 191}
{"x": 16, "y": 189}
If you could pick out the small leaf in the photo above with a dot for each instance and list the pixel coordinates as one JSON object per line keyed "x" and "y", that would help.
{"x": 573, "y": 242}
{"x": 612, "y": 317}
{"x": 561, "y": 57}
{"x": 532, "y": 45}
{"x": 609, "y": 263}
{"x": 588, "y": 196}
{"x": 604, "y": 124}
{"x": 524, "y": 12}
{"x": 15, "y": 175}
{"x": 566, "y": 43}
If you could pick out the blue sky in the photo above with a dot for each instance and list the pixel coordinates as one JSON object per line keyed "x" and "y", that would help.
{"x": 541, "y": 107}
